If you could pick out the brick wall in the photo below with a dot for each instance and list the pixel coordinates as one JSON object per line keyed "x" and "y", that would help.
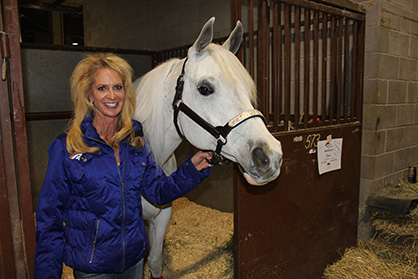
{"x": 390, "y": 122}
{"x": 140, "y": 24}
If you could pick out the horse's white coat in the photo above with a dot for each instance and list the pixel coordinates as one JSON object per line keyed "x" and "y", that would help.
{"x": 234, "y": 93}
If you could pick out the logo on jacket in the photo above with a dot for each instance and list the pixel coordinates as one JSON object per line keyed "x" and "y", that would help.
{"x": 76, "y": 156}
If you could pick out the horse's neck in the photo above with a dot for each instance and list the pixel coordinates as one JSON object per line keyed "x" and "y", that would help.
{"x": 171, "y": 142}
{"x": 164, "y": 139}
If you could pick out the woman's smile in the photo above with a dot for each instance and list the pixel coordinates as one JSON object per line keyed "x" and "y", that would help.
{"x": 108, "y": 93}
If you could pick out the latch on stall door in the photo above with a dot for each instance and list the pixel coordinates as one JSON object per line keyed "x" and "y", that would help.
{"x": 4, "y": 46}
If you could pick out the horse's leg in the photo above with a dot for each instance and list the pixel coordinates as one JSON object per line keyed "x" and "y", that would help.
{"x": 158, "y": 220}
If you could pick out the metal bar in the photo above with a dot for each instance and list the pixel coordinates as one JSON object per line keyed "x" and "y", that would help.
{"x": 346, "y": 66}
{"x": 315, "y": 67}
{"x": 354, "y": 73}
{"x": 280, "y": 66}
{"x": 297, "y": 66}
{"x": 52, "y": 115}
{"x": 333, "y": 68}
{"x": 244, "y": 51}
{"x": 266, "y": 45}
{"x": 235, "y": 16}
{"x": 324, "y": 67}
{"x": 259, "y": 60}
{"x": 262, "y": 55}
{"x": 276, "y": 73}
{"x": 236, "y": 9}
{"x": 306, "y": 65}
{"x": 235, "y": 12}
{"x": 339, "y": 67}
{"x": 287, "y": 63}
{"x": 251, "y": 36}
{"x": 86, "y": 49}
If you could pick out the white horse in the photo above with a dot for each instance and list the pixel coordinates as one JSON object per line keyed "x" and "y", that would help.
{"x": 211, "y": 106}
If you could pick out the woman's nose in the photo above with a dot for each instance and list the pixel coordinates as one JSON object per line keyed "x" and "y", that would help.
{"x": 112, "y": 93}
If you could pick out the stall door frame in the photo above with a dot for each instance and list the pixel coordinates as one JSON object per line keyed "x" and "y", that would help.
{"x": 17, "y": 228}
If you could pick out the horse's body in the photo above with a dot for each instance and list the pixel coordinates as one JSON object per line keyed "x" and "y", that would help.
{"x": 218, "y": 88}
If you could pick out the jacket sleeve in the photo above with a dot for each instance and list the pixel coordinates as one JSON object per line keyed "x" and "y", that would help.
{"x": 50, "y": 215}
{"x": 161, "y": 189}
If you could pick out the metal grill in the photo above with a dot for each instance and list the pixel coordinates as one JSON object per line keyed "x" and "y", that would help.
{"x": 307, "y": 60}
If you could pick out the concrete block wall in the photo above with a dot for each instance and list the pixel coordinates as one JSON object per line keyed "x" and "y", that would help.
{"x": 143, "y": 25}
{"x": 390, "y": 110}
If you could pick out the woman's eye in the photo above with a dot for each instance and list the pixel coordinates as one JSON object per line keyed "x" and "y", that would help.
{"x": 118, "y": 87}
{"x": 205, "y": 90}
{"x": 101, "y": 88}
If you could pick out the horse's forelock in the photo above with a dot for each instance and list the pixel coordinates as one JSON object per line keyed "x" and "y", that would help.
{"x": 233, "y": 70}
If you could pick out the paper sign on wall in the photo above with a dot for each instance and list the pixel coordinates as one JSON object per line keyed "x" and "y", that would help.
{"x": 329, "y": 155}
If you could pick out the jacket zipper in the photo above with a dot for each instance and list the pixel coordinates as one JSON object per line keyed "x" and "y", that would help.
{"x": 124, "y": 207}
{"x": 95, "y": 234}
{"x": 123, "y": 202}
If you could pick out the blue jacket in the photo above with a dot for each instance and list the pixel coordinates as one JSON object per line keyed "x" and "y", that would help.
{"x": 89, "y": 212}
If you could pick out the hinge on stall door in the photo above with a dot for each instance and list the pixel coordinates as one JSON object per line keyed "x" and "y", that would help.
{"x": 5, "y": 53}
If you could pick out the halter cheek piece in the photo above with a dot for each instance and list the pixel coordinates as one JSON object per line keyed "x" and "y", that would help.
{"x": 219, "y": 132}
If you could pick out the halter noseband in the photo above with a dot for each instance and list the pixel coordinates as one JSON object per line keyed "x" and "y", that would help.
{"x": 219, "y": 132}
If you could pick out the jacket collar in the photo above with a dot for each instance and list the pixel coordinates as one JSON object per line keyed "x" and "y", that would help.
{"x": 90, "y": 131}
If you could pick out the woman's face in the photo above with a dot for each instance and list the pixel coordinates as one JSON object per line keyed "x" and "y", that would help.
{"x": 108, "y": 93}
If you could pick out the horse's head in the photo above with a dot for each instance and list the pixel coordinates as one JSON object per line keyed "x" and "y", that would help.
{"x": 219, "y": 89}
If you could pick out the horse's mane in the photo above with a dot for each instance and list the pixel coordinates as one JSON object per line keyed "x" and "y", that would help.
{"x": 150, "y": 102}
{"x": 150, "y": 97}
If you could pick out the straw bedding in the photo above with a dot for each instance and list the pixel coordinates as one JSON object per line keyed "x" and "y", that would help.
{"x": 393, "y": 251}
{"x": 198, "y": 244}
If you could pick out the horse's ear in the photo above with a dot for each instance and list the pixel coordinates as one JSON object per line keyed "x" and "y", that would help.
{"x": 235, "y": 38}
{"x": 204, "y": 39}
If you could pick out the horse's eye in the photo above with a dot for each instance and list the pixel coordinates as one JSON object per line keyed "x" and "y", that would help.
{"x": 205, "y": 90}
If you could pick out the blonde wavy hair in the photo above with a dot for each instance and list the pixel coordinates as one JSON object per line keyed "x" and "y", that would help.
{"x": 82, "y": 81}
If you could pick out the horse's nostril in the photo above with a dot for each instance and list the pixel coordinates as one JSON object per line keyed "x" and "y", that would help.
{"x": 260, "y": 157}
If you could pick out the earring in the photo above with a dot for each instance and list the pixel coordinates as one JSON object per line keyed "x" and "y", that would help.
{"x": 91, "y": 102}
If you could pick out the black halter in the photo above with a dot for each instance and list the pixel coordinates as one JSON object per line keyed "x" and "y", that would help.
{"x": 219, "y": 132}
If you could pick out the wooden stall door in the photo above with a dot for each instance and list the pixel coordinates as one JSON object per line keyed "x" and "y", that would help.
{"x": 307, "y": 60}
{"x": 296, "y": 225}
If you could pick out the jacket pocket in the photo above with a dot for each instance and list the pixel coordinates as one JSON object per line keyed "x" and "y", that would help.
{"x": 94, "y": 239}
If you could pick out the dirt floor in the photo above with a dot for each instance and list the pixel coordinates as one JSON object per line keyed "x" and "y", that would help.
{"x": 198, "y": 244}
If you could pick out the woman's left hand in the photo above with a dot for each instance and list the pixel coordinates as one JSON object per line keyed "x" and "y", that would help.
{"x": 201, "y": 160}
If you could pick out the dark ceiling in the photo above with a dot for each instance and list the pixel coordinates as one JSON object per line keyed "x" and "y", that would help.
{"x": 51, "y": 22}
{"x": 66, "y": 6}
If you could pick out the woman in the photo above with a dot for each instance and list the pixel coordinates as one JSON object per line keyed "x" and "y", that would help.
{"x": 89, "y": 212}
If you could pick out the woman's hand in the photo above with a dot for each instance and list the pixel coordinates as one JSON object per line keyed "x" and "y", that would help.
{"x": 201, "y": 160}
